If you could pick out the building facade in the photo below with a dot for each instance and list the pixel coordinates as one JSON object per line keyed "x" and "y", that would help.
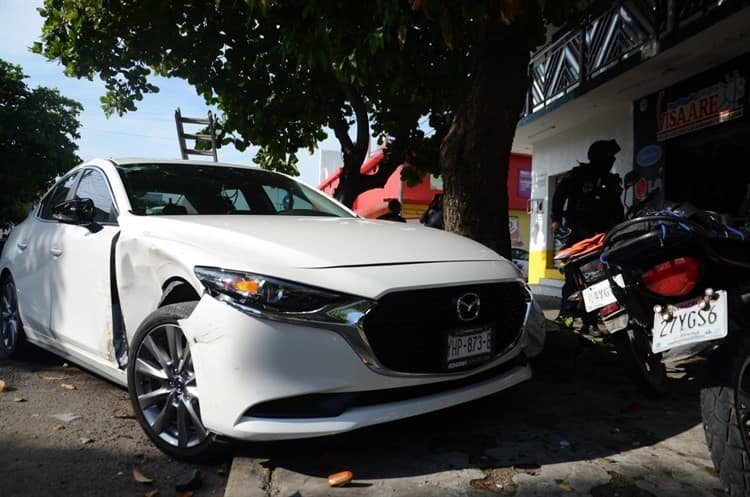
{"x": 667, "y": 80}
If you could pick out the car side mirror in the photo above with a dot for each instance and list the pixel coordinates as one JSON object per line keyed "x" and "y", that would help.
{"x": 76, "y": 211}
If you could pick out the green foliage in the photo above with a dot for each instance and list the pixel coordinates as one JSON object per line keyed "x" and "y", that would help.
{"x": 37, "y": 132}
{"x": 281, "y": 71}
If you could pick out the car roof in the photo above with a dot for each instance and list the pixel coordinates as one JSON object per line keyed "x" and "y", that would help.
{"x": 132, "y": 161}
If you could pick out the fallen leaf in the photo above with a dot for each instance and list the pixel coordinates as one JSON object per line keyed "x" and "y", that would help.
{"x": 139, "y": 477}
{"x": 2, "y": 386}
{"x": 340, "y": 479}
{"x": 187, "y": 493}
{"x": 19, "y": 399}
{"x": 565, "y": 486}
{"x": 192, "y": 482}
{"x": 86, "y": 441}
{"x": 123, "y": 416}
{"x": 68, "y": 386}
{"x": 152, "y": 493}
{"x": 53, "y": 378}
{"x": 59, "y": 427}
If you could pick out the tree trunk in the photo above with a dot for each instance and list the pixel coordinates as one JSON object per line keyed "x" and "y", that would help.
{"x": 352, "y": 182}
{"x": 475, "y": 153}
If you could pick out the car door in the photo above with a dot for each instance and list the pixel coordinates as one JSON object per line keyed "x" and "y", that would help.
{"x": 33, "y": 258}
{"x": 82, "y": 307}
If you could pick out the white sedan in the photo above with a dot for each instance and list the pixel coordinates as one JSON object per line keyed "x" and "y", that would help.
{"x": 239, "y": 303}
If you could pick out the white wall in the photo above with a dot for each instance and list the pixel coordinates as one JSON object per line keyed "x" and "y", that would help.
{"x": 562, "y": 152}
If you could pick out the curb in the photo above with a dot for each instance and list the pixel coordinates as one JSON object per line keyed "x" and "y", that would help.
{"x": 247, "y": 478}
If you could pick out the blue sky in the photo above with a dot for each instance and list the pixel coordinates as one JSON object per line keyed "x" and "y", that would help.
{"x": 148, "y": 132}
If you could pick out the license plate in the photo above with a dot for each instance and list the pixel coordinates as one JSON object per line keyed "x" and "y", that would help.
{"x": 691, "y": 324}
{"x": 600, "y": 294}
{"x": 467, "y": 345}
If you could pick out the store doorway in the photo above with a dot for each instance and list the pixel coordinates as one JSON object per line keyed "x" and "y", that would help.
{"x": 711, "y": 168}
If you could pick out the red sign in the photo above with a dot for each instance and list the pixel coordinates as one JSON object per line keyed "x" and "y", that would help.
{"x": 709, "y": 106}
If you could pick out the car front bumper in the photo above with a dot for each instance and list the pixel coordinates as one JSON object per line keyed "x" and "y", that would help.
{"x": 242, "y": 362}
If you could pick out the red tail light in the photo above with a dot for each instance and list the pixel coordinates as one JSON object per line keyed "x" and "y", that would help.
{"x": 673, "y": 278}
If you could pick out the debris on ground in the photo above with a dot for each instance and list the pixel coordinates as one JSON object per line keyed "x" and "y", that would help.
{"x": 530, "y": 468}
{"x": 340, "y": 479}
{"x": 65, "y": 365}
{"x": 564, "y": 485}
{"x": 54, "y": 378}
{"x": 222, "y": 470}
{"x": 152, "y": 493}
{"x": 86, "y": 441}
{"x": 19, "y": 399}
{"x": 68, "y": 386}
{"x": 59, "y": 427}
{"x": 193, "y": 482}
{"x": 140, "y": 477}
{"x": 66, "y": 417}
{"x": 123, "y": 416}
{"x": 564, "y": 443}
{"x": 187, "y": 493}
{"x": 2, "y": 386}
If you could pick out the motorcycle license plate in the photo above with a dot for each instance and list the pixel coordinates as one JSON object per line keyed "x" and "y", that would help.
{"x": 600, "y": 294}
{"x": 691, "y": 324}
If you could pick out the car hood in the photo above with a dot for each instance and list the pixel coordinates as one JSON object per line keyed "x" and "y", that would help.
{"x": 313, "y": 242}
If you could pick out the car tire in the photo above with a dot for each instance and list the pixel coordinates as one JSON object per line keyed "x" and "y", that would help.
{"x": 725, "y": 410}
{"x": 645, "y": 369}
{"x": 11, "y": 327}
{"x": 163, "y": 388}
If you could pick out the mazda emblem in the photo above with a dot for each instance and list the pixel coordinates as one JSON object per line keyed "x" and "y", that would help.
{"x": 467, "y": 307}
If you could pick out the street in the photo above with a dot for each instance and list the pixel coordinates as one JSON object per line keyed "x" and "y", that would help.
{"x": 578, "y": 428}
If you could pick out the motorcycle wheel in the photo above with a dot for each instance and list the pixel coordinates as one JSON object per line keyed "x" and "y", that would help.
{"x": 725, "y": 409}
{"x": 644, "y": 368}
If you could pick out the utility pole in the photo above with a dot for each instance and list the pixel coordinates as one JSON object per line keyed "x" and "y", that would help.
{"x": 207, "y": 137}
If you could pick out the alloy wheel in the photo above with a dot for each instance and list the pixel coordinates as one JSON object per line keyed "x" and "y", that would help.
{"x": 166, "y": 389}
{"x": 10, "y": 321}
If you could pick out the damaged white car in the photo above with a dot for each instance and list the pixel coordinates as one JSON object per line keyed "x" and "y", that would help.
{"x": 242, "y": 304}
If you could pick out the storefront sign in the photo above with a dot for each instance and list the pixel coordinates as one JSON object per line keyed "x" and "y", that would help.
{"x": 524, "y": 183}
{"x": 718, "y": 103}
{"x": 649, "y": 156}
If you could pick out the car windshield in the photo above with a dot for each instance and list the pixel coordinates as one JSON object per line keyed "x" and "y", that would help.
{"x": 185, "y": 189}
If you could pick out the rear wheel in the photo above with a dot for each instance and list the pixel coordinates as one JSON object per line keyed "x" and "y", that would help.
{"x": 725, "y": 409}
{"x": 163, "y": 387}
{"x": 645, "y": 369}
{"x": 11, "y": 328}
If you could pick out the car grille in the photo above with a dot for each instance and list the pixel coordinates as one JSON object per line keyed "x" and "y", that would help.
{"x": 408, "y": 330}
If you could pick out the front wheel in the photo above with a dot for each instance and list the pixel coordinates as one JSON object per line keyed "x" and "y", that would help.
{"x": 725, "y": 409}
{"x": 11, "y": 328}
{"x": 644, "y": 368}
{"x": 163, "y": 388}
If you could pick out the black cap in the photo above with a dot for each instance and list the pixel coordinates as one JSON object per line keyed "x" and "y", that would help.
{"x": 603, "y": 149}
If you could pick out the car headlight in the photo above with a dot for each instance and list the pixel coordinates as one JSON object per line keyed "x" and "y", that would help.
{"x": 264, "y": 296}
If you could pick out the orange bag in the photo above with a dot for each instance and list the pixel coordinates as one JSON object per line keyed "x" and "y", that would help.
{"x": 581, "y": 248}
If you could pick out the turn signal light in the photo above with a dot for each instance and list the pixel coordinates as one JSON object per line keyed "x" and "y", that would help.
{"x": 673, "y": 278}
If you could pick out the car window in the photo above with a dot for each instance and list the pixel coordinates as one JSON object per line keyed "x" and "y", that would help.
{"x": 190, "y": 189}
{"x": 59, "y": 193}
{"x": 93, "y": 185}
{"x": 285, "y": 200}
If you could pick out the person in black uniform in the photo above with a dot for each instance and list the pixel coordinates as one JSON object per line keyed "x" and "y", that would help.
{"x": 394, "y": 212}
{"x": 588, "y": 200}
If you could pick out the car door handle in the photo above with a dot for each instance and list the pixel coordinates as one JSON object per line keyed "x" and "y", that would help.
{"x": 56, "y": 252}
{"x": 22, "y": 245}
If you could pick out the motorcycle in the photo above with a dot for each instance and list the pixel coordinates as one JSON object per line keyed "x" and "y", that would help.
{"x": 596, "y": 303}
{"x": 685, "y": 283}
